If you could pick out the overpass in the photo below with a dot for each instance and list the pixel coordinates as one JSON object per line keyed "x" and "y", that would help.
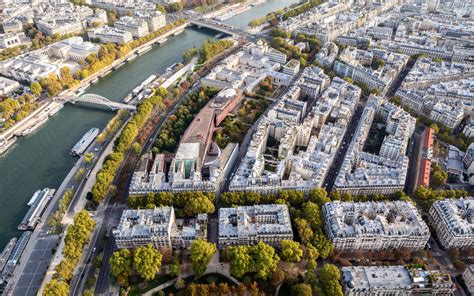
{"x": 99, "y": 100}
{"x": 220, "y": 27}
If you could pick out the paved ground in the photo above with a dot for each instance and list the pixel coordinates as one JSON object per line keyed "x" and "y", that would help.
{"x": 32, "y": 275}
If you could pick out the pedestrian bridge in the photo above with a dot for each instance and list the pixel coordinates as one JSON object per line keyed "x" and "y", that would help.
{"x": 220, "y": 27}
{"x": 100, "y": 100}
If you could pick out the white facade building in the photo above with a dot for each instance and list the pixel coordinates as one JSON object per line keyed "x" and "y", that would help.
{"x": 453, "y": 221}
{"x": 251, "y": 224}
{"x": 374, "y": 226}
{"x": 107, "y": 34}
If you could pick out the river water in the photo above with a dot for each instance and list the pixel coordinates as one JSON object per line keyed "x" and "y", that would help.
{"x": 42, "y": 159}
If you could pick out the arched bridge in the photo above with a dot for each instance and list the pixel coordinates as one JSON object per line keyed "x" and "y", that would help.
{"x": 100, "y": 100}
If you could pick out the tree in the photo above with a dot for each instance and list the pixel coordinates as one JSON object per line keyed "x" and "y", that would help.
{"x": 301, "y": 290}
{"x": 89, "y": 157}
{"x": 439, "y": 176}
{"x": 136, "y": 148}
{"x": 121, "y": 266}
{"x": 201, "y": 254}
{"x": 64, "y": 270}
{"x": 328, "y": 279}
{"x": 36, "y": 88}
{"x": 147, "y": 261}
{"x": 240, "y": 260}
{"x": 56, "y": 288}
{"x": 265, "y": 260}
{"x": 291, "y": 251}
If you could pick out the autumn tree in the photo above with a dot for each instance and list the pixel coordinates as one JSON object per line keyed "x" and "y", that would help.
{"x": 56, "y": 288}
{"x": 35, "y": 88}
{"x": 291, "y": 251}
{"x": 121, "y": 266}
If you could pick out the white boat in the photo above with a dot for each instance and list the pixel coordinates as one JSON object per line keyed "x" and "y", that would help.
{"x": 34, "y": 198}
{"x": 143, "y": 50}
{"x": 95, "y": 80}
{"x": 55, "y": 110}
{"x": 5, "y": 145}
{"x": 84, "y": 142}
{"x": 35, "y": 126}
{"x": 131, "y": 58}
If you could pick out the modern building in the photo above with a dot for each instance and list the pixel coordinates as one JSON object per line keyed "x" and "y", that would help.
{"x": 28, "y": 68}
{"x": 74, "y": 48}
{"x": 107, "y": 34}
{"x": 251, "y": 224}
{"x": 395, "y": 281}
{"x": 374, "y": 226}
{"x": 158, "y": 227}
{"x": 9, "y": 40}
{"x": 453, "y": 221}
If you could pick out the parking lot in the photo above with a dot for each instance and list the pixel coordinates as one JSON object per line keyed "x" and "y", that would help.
{"x": 32, "y": 276}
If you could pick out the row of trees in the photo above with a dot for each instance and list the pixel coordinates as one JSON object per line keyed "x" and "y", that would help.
{"x": 56, "y": 218}
{"x": 145, "y": 260}
{"x": 221, "y": 289}
{"x": 14, "y": 110}
{"x": 77, "y": 236}
{"x": 210, "y": 49}
{"x": 177, "y": 123}
{"x": 103, "y": 186}
{"x": 186, "y": 204}
{"x": 427, "y": 196}
{"x": 269, "y": 17}
{"x": 113, "y": 126}
{"x": 301, "y": 8}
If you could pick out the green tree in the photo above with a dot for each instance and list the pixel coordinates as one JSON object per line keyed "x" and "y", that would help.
{"x": 136, "y": 148}
{"x": 328, "y": 278}
{"x": 291, "y": 251}
{"x": 265, "y": 260}
{"x": 240, "y": 260}
{"x": 64, "y": 270}
{"x": 147, "y": 261}
{"x": 301, "y": 290}
{"x": 201, "y": 254}
{"x": 89, "y": 157}
{"x": 36, "y": 88}
{"x": 121, "y": 266}
{"x": 56, "y": 288}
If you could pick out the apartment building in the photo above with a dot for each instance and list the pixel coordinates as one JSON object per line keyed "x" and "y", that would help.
{"x": 453, "y": 221}
{"x": 137, "y": 27}
{"x": 107, "y": 34}
{"x": 374, "y": 226}
{"x": 249, "y": 225}
{"x": 395, "y": 281}
{"x": 158, "y": 227}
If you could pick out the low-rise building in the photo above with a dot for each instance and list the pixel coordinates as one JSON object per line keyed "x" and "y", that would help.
{"x": 28, "y": 68}
{"x": 251, "y": 224}
{"x": 7, "y": 86}
{"x": 107, "y": 34}
{"x": 453, "y": 221}
{"x": 374, "y": 226}
{"x": 395, "y": 280}
{"x": 74, "y": 48}
{"x": 158, "y": 227}
{"x": 9, "y": 40}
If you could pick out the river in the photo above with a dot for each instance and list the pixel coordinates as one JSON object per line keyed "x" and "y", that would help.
{"x": 42, "y": 159}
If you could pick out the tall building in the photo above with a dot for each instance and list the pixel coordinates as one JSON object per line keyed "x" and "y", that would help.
{"x": 248, "y": 225}
{"x": 373, "y": 226}
{"x": 453, "y": 221}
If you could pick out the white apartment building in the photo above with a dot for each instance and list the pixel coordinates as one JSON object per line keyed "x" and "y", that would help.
{"x": 385, "y": 173}
{"x": 59, "y": 26}
{"x": 374, "y": 226}
{"x": 12, "y": 26}
{"x": 107, "y": 34}
{"x": 251, "y": 224}
{"x": 395, "y": 281}
{"x": 155, "y": 19}
{"x": 138, "y": 27}
{"x": 158, "y": 227}
{"x": 468, "y": 277}
{"x": 453, "y": 221}
{"x": 447, "y": 114}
